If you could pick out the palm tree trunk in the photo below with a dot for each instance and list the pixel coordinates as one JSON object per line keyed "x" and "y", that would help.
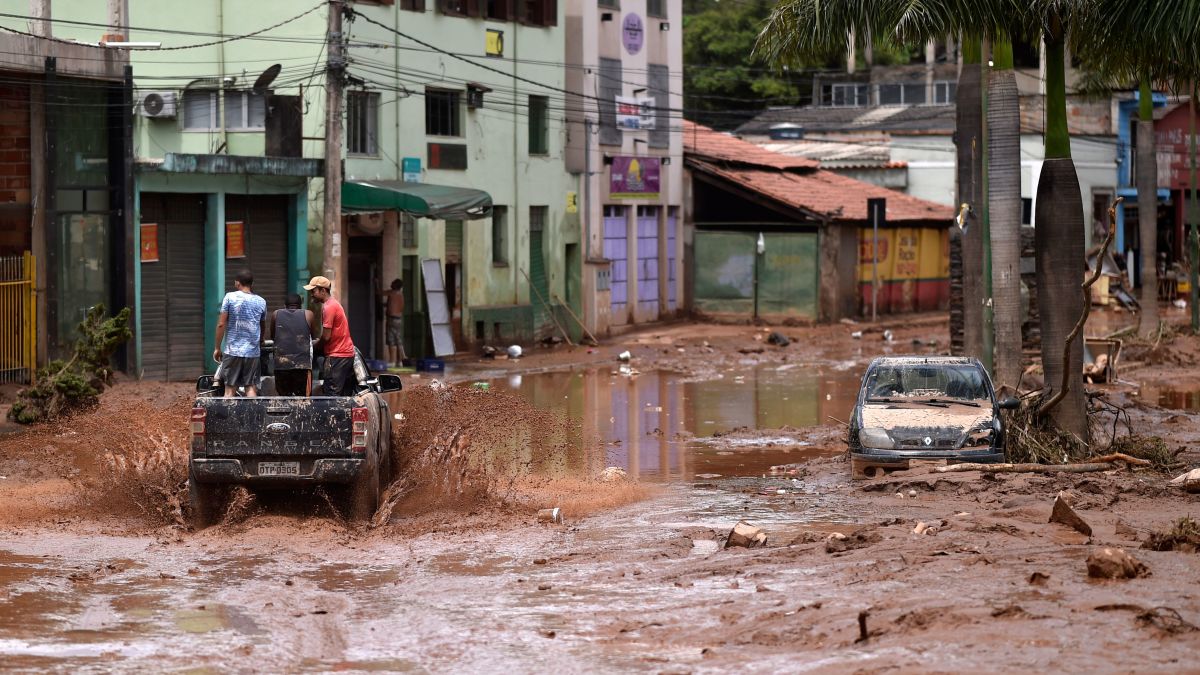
{"x": 1059, "y": 238}
{"x": 1147, "y": 194}
{"x": 969, "y": 132}
{"x": 1004, "y": 213}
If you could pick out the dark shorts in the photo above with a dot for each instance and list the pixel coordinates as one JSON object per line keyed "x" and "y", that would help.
{"x": 339, "y": 376}
{"x": 293, "y": 382}
{"x": 395, "y": 331}
{"x": 238, "y": 371}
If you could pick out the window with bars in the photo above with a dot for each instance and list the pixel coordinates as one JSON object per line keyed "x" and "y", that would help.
{"x": 499, "y": 235}
{"x": 849, "y": 95}
{"x": 537, "y": 218}
{"x": 609, "y": 85}
{"x": 413, "y": 5}
{"x": 362, "y": 123}
{"x": 944, "y": 92}
{"x": 539, "y": 125}
{"x": 656, "y": 8}
{"x": 443, "y": 112}
{"x": 408, "y": 231}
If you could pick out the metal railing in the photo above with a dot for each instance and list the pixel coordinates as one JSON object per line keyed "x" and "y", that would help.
{"x": 18, "y": 319}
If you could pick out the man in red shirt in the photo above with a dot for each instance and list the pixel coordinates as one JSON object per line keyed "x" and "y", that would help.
{"x": 335, "y": 340}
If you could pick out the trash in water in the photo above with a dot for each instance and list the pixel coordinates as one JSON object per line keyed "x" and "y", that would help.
{"x": 514, "y": 352}
{"x": 857, "y": 335}
{"x": 553, "y": 515}
{"x": 624, "y": 356}
{"x": 482, "y": 386}
{"x": 887, "y": 335}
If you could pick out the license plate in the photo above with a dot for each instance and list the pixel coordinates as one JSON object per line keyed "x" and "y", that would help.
{"x": 279, "y": 468}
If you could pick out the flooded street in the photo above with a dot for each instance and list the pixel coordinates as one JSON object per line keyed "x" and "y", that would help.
{"x": 637, "y": 578}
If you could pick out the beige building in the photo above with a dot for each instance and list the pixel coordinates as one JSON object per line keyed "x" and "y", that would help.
{"x": 624, "y": 141}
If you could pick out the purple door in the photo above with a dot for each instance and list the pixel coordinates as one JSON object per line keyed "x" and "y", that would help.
{"x": 672, "y": 218}
{"x": 616, "y": 249}
{"x": 647, "y": 258}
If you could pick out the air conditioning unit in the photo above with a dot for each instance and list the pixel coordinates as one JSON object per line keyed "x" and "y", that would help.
{"x": 158, "y": 104}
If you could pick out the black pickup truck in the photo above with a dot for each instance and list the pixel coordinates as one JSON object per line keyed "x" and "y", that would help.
{"x": 283, "y": 442}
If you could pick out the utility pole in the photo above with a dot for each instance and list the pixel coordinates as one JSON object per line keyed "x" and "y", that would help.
{"x": 334, "y": 82}
{"x": 989, "y": 330}
{"x": 1194, "y": 217}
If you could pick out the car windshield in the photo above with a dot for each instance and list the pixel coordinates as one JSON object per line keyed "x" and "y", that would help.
{"x": 924, "y": 381}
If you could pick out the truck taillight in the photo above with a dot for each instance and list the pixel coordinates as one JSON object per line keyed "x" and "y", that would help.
{"x": 198, "y": 417}
{"x": 358, "y": 419}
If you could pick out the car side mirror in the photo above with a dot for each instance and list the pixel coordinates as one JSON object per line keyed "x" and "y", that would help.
{"x": 1009, "y": 403}
{"x": 204, "y": 383}
{"x": 390, "y": 383}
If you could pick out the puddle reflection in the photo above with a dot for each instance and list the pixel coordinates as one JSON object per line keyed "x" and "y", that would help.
{"x": 638, "y": 420}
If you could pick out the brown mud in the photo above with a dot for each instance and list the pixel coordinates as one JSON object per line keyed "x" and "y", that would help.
{"x": 97, "y": 573}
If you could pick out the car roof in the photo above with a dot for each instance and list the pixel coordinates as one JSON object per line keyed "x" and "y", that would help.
{"x": 924, "y": 360}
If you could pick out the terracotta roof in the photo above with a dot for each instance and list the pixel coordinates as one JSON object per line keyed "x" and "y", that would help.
{"x": 701, "y": 141}
{"x": 817, "y": 192}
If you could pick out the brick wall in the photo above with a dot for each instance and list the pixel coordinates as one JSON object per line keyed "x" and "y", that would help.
{"x": 15, "y": 196}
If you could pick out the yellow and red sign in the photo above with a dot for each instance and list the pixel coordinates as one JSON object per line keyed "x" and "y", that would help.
{"x": 149, "y": 244}
{"x": 235, "y": 239}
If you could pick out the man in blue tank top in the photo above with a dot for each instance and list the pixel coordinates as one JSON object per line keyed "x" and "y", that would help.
{"x": 292, "y": 330}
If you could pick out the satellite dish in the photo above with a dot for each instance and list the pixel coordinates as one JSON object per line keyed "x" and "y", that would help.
{"x": 153, "y": 104}
{"x": 265, "y": 80}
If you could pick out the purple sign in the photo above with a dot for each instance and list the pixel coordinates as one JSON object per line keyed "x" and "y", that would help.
{"x": 632, "y": 33}
{"x": 634, "y": 177}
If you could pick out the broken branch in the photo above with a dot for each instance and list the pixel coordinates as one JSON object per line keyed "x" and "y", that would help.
{"x": 1087, "y": 309}
{"x": 1026, "y": 468}
{"x": 1121, "y": 457}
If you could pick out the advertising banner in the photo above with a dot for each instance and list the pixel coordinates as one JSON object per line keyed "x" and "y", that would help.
{"x": 634, "y": 177}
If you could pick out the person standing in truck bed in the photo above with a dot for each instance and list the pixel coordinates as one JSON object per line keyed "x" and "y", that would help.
{"x": 292, "y": 329}
{"x": 335, "y": 339}
{"x": 243, "y": 315}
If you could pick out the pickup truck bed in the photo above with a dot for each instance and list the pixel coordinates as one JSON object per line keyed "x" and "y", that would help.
{"x": 285, "y": 443}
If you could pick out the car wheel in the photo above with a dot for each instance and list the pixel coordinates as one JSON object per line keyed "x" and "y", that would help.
{"x": 363, "y": 497}
{"x": 206, "y": 501}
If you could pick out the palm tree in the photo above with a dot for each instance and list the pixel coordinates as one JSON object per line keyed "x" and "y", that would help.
{"x": 1004, "y": 211}
{"x": 817, "y": 27}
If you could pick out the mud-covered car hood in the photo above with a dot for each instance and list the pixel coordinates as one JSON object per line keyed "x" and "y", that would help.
{"x": 910, "y": 424}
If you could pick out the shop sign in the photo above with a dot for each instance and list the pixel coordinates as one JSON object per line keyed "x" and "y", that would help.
{"x": 412, "y": 169}
{"x": 635, "y": 113}
{"x": 634, "y": 177}
{"x": 149, "y": 242}
{"x": 494, "y": 42}
{"x": 235, "y": 239}
{"x": 572, "y": 202}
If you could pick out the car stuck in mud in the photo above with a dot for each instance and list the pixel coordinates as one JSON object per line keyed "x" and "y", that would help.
{"x": 925, "y": 408}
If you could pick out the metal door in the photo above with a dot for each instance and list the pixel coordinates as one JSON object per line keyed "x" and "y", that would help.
{"x": 265, "y": 218}
{"x": 647, "y": 258}
{"x": 616, "y": 249}
{"x": 172, "y": 298}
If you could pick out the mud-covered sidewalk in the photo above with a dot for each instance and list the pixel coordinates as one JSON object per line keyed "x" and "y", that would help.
{"x": 98, "y": 572}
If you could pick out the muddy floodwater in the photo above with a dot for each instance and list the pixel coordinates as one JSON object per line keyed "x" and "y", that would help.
{"x": 659, "y": 424}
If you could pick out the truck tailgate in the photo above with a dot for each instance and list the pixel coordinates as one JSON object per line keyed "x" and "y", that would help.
{"x": 278, "y": 426}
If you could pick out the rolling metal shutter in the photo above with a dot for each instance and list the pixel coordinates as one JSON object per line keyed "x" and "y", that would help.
{"x": 172, "y": 301}
{"x": 266, "y": 218}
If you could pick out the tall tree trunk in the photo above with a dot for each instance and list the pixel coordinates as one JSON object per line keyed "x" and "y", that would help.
{"x": 969, "y": 132}
{"x": 1059, "y": 246}
{"x": 1004, "y": 213}
{"x": 1147, "y": 194}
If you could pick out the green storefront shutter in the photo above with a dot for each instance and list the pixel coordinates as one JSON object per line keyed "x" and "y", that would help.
{"x": 787, "y": 275}
{"x": 724, "y": 272}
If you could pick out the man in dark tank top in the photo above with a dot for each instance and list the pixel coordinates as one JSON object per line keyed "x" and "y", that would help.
{"x": 292, "y": 330}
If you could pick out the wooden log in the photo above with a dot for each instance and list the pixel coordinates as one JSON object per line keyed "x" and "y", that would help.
{"x": 1025, "y": 468}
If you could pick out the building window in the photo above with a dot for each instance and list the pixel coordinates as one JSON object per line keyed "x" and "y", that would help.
{"x": 658, "y": 79}
{"x": 656, "y": 8}
{"x": 245, "y": 110}
{"x": 609, "y": 85}
{"x": 902, "y": 94}
{"x": 443, "y": 112}
{"x": 1026, "y": 210}
{"x": 610, "y": 4}
{"x": 413, "y": 5}
{"x": 538, "y": 12}
{"x": 944, "y": 91}
{"x": 455, "y": 7}
{"x": 408, "y": 231}
{"x": 499, "y": 235}
{"x": 200, "y": 109}
{"x": 539, "y": 125}
{"x": 850, "y": 95}
{"x": 537, "y": 218}
{"x": 362, "y": 123}
{"x": 499, "y": 10}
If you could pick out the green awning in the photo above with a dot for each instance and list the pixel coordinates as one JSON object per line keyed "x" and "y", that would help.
{"x": 420, "y": 199}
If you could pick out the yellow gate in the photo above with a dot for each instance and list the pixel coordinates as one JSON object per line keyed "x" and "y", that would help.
{"x": 18, "y": 319}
